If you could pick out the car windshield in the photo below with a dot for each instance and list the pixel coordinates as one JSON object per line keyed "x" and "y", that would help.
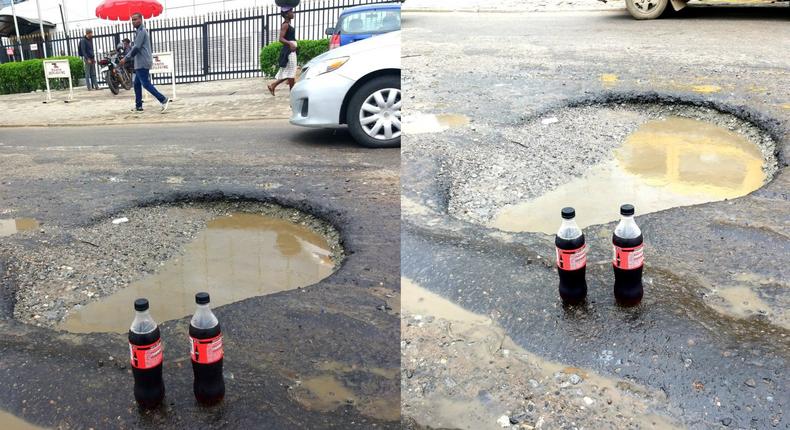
{"x": 374, "y": 21}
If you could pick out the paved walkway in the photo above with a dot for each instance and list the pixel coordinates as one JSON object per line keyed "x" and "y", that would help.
{"x": 241, "y": 99}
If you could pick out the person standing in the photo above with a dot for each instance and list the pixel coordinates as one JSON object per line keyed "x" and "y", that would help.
{"x": 143, "y": 58}
{"x": 287, "y": 61}
{"x": 85, "y": 50}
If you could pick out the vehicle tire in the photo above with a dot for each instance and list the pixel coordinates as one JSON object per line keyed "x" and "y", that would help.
{"x": 124, "y": 79}
{"x": 111, "y": 82}
{"x": 373, "y": 114}
{"x": 646, "y": 9}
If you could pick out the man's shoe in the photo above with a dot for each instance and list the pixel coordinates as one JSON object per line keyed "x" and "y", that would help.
{"x": 164, "y": 105}
{"x": 137, "y": 110}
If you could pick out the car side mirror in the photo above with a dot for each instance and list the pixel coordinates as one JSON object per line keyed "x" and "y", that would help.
{"x": 330, "y": 31}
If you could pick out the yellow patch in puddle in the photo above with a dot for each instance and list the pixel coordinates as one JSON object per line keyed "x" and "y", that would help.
{"x": 705, "y": 89}
{"x": 16, "y": 225}
{"x": 609, "y": 79}
{"x": 419, "y": 123}
{"x": 663, "y": 164}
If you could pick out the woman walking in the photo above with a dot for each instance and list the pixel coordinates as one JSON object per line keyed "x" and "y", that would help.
{"x": 287, "y": 61}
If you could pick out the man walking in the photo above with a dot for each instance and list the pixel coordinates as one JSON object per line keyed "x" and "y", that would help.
{"x": 143, "y": 58}
{"x": 85, "y": 50}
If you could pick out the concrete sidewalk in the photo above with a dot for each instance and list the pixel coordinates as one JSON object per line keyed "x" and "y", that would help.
{"x": 240, "y": 99}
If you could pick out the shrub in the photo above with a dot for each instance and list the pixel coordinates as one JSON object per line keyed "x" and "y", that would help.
{"x": 26, "y": 76}
{"x": 308, "y": 49}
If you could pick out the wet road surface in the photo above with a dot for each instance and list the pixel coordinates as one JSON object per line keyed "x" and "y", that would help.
{"x": 74, "y": 177}
{"x": 718, "y": 366}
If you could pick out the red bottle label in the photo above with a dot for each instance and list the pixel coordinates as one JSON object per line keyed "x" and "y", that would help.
{"x": 572, "y": 259}
{"x": 148, "y": 356}
{"x": 628, "y": 258}
{"x": 206, "y": 351}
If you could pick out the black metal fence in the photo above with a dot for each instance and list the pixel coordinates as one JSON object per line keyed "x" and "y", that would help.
{"x": 220, "y": 45}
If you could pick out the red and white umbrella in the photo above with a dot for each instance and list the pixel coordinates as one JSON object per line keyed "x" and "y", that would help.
{"x": 123, "y": 9}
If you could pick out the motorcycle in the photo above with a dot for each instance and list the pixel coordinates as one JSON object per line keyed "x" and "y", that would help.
{"x": 115, "y": 76}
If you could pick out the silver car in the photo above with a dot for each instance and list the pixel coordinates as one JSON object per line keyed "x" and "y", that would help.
{"x": 357, "y": 85}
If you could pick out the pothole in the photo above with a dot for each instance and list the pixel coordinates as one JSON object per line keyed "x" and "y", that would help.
{"x": 16, "y": 225}
{"x": 86, "y": 279}
{"x": 595, "y": 158}
{"x": 664, "y": 163}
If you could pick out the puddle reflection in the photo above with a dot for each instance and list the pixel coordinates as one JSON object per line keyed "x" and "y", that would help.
{"x": 664, "y": 164}
{"x": 236, "y": 257}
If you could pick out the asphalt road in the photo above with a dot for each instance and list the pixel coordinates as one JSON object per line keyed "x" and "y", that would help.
{"x": 61, "y": 176}
{"x": 501, "y": 70}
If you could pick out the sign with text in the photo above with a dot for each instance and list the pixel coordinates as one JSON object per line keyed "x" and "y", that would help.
{"x": 9, "y": 51}
{"x": 163, "y": 64}
{"x": 56, "y": 69}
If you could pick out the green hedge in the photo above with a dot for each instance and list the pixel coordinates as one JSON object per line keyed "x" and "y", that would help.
{"x": 26, "y": 76}
{"x": 308, "y": 49}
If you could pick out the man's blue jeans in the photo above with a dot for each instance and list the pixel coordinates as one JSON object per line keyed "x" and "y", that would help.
{"x": 142, "y": 79}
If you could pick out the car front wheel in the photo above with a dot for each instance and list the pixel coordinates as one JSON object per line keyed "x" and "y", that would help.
{"x": 646, "y": 9}
{"x": 373, "y": 114}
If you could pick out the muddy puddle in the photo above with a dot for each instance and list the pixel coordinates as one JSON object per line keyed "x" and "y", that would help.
{"x": 16, "y": 225}
{"x": 663, "y": 164}
{"x": 462, "y": 371}
{"x": 236, "y": 257}
{"x": 419, "y": 123}
{"x": 327, "y": 392}
{"x": 11, "y": 422}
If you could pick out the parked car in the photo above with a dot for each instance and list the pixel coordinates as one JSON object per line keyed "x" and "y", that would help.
{"x": 361, "y": 22}
{"x": 357, "y": 85}
{"x": 651, "y": 9}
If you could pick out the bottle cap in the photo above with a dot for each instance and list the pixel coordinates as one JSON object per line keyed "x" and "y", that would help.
{"x": 202, "y": 298}
{"x": 568, "y": 213}
{"x": 627, "y": 210}
{"x": 141, "y": 305}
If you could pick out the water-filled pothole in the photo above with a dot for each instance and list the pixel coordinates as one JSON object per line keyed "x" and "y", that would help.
{"x": 664, "y": 163}
{"x": 85, "y": 278}
{"x": 595, "y": 158}
{"x": 16, "y": 225}
{"x": 237, "y": 256}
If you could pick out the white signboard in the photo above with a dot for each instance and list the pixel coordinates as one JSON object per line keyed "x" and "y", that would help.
{"x": 164, "y": 64}
{"x": 34, "y": 47}
{"x": 56, "y": 69}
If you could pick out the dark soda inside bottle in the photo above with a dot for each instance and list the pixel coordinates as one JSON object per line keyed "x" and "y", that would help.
{"x": 207, "y": 353}
{"x": 146, "y": 355}
{"x": 571, "y": 259}
{"x": 628, "y": 259}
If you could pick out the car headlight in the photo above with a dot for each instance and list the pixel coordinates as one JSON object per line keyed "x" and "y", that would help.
{"x": 325, "y": 66}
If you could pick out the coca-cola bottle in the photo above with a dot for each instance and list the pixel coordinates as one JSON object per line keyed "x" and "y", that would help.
{"x": 628, "y": 259}
{"x": 145, "y": 348}
{"x": 571, "y": 259}
{"x": 205, "y": 339}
